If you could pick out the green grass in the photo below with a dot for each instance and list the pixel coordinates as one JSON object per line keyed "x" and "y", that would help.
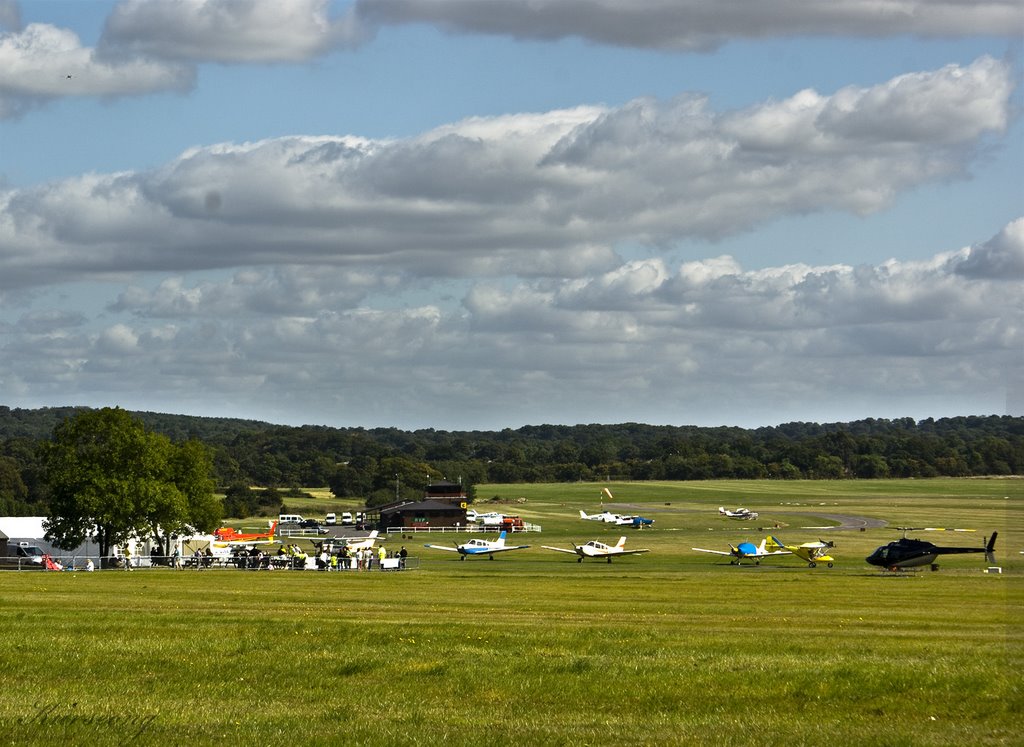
{"x": 673, "y": 647}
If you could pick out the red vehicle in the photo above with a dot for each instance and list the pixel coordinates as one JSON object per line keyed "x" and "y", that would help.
{"x": 512, "y": 524}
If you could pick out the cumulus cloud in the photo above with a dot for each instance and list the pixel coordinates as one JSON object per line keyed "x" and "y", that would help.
{"x": 149, "y": 47}
{"x": 1002, "y": 257}
{"x": 530, "y": 194}
{"x": 696, "y": 25}
{"x": 43, "y": 62}
{"x": 644, "y": 340}
{"x": 227, "y": 31}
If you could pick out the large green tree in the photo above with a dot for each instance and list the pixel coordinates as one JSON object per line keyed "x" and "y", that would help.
{"x": 110, "y": 479}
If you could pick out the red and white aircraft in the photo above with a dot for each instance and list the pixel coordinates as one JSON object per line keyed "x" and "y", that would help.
{"x": 595, "y": 549}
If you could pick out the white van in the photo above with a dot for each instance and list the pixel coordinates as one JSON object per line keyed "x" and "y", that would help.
{"x": 331, "y": 519}
{"x": 289, "y": 519}
{"x": 346, "y": 518}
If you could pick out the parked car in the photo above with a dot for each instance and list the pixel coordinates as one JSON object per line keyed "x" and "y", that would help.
{"x": 23, "y": 556}
{"x": 331, "y": 519}
{"x": 312, "y": 525}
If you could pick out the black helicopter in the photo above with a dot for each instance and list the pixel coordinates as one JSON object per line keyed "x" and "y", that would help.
{"x": 907, "y": 552}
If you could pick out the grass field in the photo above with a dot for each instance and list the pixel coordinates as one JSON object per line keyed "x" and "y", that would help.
{"x": 672, "y": 647}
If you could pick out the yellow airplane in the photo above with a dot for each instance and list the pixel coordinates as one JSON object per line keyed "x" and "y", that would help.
{"x": 812, "y": 552}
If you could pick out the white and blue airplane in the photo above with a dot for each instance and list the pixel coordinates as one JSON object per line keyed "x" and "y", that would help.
{"x": 746, "y": 551}
{"x": 739, "y": 513}
{"x": 595, "y": 549}
{"x": 480, "y": 547}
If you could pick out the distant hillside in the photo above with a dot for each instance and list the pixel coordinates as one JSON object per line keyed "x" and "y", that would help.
{"x": 360, "y": 462}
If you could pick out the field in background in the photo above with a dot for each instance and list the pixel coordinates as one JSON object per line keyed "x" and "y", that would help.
{"x": 673, "y": 647}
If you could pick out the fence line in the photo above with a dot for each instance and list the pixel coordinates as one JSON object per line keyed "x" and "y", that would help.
{"x": 470, "y": 528}
{"x": 190, "y": 562}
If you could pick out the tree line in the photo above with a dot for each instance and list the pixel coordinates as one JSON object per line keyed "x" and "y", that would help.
{"x": 381, "y": 464}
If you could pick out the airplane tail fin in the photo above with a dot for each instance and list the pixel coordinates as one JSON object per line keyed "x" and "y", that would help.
{"x": 772, "y": 543}
{"x": 501, "y": 538}
{"x": 583, "y": 514}
{"x": 621, "y": 542}
{"x": 990, "y": 549}
{"x": 721, "y": 509}
{"x": 373, "y": 534}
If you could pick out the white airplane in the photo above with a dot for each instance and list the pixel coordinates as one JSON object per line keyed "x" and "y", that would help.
{"x": 480, "y": 547}
{"x": 490, "y": 519}
{"x": 606, "y": 516}
{"x": 739, "y": 513}
{"x": 362, "y": 543}
{"x": 746, "y": 551}
{"x": 595, "y": 549}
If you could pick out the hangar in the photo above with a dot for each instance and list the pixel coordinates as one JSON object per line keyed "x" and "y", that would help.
{"x": 427, "y": 514}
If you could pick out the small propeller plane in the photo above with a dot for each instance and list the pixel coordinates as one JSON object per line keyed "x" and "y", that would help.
{"x": 739, "y": 513}
{"x": 812, "y": 552}
{"x": 595, "y": 549}
{"x": 639, "y": 522}
{"x": 228, "y": 536}
{"x": 480, "y": 547}
{"x": 362, "y": 543}
{"x": 907, "y": 552}
{"x": 747, "y": 551}
{"x": 606, "y": 516}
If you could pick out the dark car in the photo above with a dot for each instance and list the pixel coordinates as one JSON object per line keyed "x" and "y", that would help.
{"x": 23, "y": 557}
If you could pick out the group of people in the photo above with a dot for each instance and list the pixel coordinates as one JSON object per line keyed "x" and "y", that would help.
{"x": 362, "y": 559}
{"x": 326, "y": 558}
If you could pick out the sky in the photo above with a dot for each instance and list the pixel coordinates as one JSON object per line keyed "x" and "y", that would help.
{"x": 483, "y": 214}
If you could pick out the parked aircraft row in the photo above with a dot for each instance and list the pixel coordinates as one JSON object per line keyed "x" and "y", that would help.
{"x": 902, "y": 553}
{"x": 812, "y": 552}
{"x": 637, "y": 522}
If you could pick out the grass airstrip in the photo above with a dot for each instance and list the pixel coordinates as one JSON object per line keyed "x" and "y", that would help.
{"x": 671, "y": 647}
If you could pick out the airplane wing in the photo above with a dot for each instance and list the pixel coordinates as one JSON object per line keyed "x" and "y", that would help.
{"x": 630, "y": 552}
{"x": 506, "y": 548}
{"x": 560, "y": 549}
{"x": 716, "y": 552}
{"x": 244, "y": 542}
{"x": 442, "y": 547}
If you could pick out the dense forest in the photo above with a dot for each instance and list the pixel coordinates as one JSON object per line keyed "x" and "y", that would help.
{"x": 379, "y": 463}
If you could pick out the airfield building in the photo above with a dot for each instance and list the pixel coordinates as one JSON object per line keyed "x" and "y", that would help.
{"x": 422, "y": 515}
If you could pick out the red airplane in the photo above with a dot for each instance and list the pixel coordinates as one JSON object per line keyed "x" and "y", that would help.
{"x": 231, "y": 536}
